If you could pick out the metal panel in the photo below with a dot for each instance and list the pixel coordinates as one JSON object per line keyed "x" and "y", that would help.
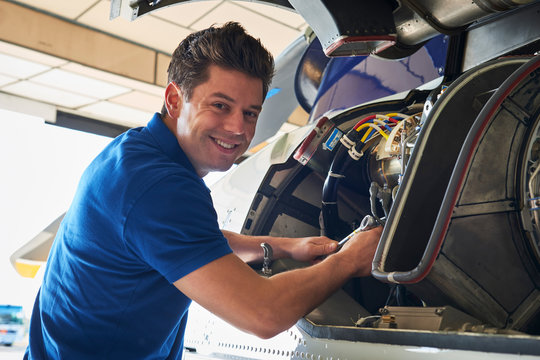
{"x": 502, "y": 35}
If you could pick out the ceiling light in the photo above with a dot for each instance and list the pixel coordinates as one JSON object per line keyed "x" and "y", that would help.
{"x": 115, "y": 79}
{"x": 6, "y": 79}
{"x": 47, "y": 94}
{"x": 19, "y": 68}
{"x": 79, "y": 84}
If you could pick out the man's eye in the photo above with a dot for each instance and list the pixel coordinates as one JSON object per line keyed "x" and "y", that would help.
{"x": 219, "y": 106}
{"x": 251, "y": 115}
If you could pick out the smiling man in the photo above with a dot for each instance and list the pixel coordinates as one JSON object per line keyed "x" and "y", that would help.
{"x": 215, "y": 126}
{"x": 141, "y": 238}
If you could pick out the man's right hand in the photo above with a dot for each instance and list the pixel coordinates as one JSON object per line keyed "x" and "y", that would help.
{"x": 359, "y": 251}
{"x": 265, "y": 306}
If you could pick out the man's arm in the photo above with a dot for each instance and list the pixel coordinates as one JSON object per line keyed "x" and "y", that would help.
{"x": 248, "y": 248}
{"x": 266, "y": 306}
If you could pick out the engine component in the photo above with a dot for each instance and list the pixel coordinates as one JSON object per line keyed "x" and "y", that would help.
{"x": 385, "y": 138}
{"x": 405, "y": 255}
{"x": 444, "y": 318}
{"x": 478, "y": 213}
{"x": 353, "y": 28}
{"x": 530, "y": 180}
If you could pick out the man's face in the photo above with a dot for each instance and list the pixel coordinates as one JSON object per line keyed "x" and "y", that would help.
{"x": 217, "y": 124}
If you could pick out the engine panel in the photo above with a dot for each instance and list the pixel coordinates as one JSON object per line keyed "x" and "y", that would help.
{"x": 401, "y": 161}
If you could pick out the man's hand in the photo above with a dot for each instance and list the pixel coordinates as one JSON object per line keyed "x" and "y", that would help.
{"x": 248, "y": 247}
{"x": 359, "y": 251}
{"x": 266, "y": 306}
{"x": 311, "y": 248}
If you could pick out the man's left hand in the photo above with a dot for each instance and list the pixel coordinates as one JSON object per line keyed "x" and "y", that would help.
{"x": 311, "y": 248}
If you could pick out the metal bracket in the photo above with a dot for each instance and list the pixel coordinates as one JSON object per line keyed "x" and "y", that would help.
{"x": 267, "y": 259}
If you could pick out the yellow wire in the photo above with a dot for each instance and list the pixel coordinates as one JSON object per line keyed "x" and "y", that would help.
{"x": 369, "y": 131}
{"x": 397, "y": 114}
{"x": 379, "y": 119}
{"x": 373, "y": 126}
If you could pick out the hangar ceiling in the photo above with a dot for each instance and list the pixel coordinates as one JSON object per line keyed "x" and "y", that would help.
{"x": 67, "y": 55}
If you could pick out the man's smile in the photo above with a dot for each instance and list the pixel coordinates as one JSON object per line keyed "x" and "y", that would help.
{"x": 224, "y": 144}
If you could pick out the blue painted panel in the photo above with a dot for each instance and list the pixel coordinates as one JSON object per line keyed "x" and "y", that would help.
{"x": 355, "y": 80}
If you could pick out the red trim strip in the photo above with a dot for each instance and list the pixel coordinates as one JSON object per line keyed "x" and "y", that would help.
{"x": 388, "y": 39}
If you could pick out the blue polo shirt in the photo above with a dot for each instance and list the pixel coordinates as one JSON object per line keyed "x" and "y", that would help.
{"x": 140, "y": 220}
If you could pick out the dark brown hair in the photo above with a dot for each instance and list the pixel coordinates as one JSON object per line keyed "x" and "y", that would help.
{"x": 228, "y": 46}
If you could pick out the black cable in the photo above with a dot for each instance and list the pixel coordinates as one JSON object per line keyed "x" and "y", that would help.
{"x": 329, "y": 210}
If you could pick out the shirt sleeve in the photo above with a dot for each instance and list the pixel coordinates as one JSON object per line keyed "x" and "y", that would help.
{"x": 173, "y": 227}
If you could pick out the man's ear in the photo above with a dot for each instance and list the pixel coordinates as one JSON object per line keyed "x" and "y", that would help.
{"x": 173, "y": 100}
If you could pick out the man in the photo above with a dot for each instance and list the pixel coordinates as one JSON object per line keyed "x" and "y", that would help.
{"x": 141, "y": 239}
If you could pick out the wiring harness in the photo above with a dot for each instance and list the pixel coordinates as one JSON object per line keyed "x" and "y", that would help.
{"x": 393, "y": 134}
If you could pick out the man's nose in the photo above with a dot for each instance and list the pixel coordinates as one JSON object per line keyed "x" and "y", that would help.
{"x": 234, "y": 123}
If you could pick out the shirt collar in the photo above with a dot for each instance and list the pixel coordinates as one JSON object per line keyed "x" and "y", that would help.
{"x": 167, "y": 141}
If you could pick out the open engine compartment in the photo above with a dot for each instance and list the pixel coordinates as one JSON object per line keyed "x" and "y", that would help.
{"x": 452, "y": 174}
